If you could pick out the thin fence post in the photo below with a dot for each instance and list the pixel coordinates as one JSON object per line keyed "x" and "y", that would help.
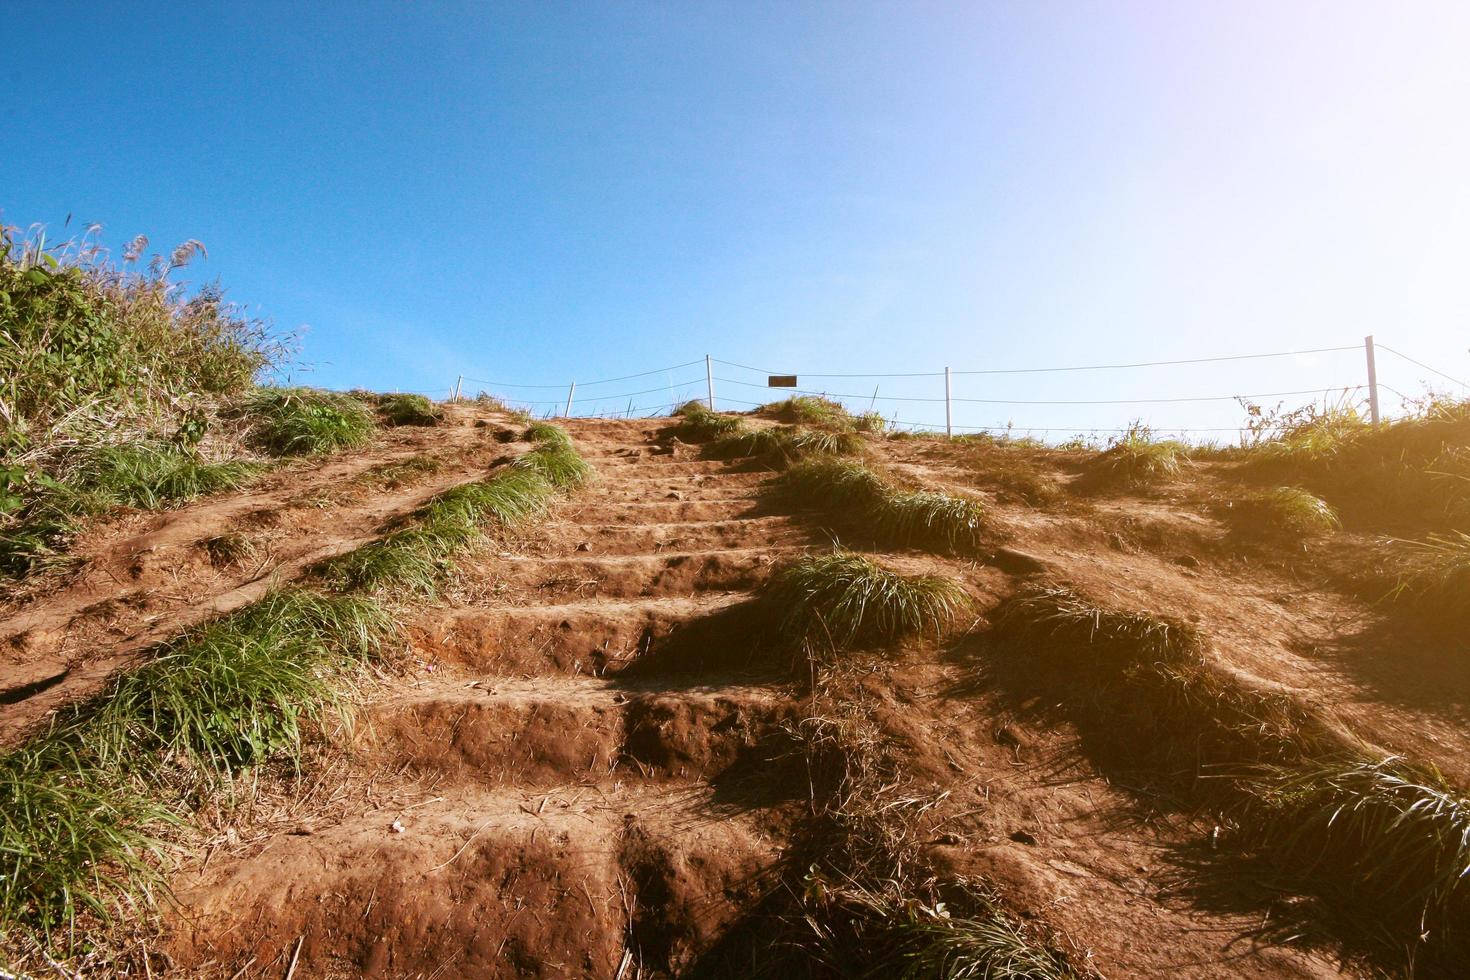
{"x": 570, "y": 392}
{"x": 709, "y": 376}
{"x": 872, "y": 404}
{"x": 948, "y": 408}
{"x": 1372, "y": 379}
{"x": 458, "y": 382}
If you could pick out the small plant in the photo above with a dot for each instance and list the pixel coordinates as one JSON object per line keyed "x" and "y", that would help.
{"x": 143, "y": 474}
{"x": 902, "y": 517}
{"x": 1288, "y": 511}
{"x": 1381, "y": 831}
{"x": 409, "y": 410}
{"x": 77, "y": 840}
{"x": 417, "y": 557}
{"x": 1136, "y": 458}
{"x": 781, "y": 446}
{"x": 926, "y": 516}
{"x": 809, "y": 410}
{"x": 306, "y": 421}
{"x": 1047, "y": 616}
{"x": 839, "y": 601}
{"x": 698, "y": 424}
{"x": 870, "y": 422}
{"x": 1436, "y": 580}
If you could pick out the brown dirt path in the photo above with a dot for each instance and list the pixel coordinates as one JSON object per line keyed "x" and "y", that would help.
{"x": 146, "y": 576}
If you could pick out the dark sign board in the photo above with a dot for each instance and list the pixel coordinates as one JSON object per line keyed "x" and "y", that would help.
{"x": 782, "y": 381}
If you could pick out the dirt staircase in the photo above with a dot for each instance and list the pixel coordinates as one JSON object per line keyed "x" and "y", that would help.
{"x": 531, "y": 793}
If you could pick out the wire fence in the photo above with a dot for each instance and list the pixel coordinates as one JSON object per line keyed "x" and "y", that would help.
{"x": 713, "y": 384}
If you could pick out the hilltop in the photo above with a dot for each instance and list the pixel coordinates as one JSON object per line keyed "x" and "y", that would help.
{"x": 767, "y": 694}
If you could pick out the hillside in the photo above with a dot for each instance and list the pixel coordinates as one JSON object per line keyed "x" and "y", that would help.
{"x": 778, "y": 694}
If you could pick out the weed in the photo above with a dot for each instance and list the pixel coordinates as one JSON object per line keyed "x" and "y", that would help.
{"x": 842, "y": 600}
{"x": 1436, "y": 581}
{"x": 870, "y": 422}
{"x": 409, "y": 410}
{"x": 391, "y": 475}
{"x": 927, "y": 516}
{"x": 93, "y": 345}
{"x": 77, "y": 802}
{"x": 305, "y": 421}
{"x": 416, "y": 558}
{"x": 143, "y": 474}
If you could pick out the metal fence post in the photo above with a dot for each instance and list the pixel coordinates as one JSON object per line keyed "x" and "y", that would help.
{"x": 1372, "y": 379}
{"x": 709, "y": 376}
{"x": 570, "y": 392}
{"x": 948, "y": 408}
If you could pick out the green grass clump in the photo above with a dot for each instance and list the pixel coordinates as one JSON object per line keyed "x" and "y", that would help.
{"x": 809, "y": 410}
{"x": 842, "y": 600}
{"x": 780, "y": 446}
{"x": 306, "y": 421}
{"x": 1382, "y": 831}
{"x": 698, "y": 424}
{"x": 1288, "y": 511}
{"x": 926, "y": 516}
{"x": 416, "y": 558}
{"x": 97, "y": 479}
{"x": 870, "y": 422}
{"x": 547, "y": 433}
{"x": 82, "y": 804}
{"x": 235, "y": 691}
{"x": 144, "y": 474}
{"x": 409, "y": 410}
{"x": 74, "y": 840}
{"x": 1138, "y": 459}
{"x": 897, "y": 516}
{"x": 1048, "y": 617}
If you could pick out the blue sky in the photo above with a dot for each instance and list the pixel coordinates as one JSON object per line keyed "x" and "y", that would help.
{"x": 534, "y": 193}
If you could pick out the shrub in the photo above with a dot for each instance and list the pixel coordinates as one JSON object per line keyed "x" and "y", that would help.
{"x": 305, "y": 421}
{"x": 88, "y": 342}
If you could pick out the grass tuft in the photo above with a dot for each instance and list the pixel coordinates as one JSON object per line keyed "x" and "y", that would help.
{"x": 1136, "y": 459}
{"x": 842, "y": 600}
{"x": 416, "y": 558}
{"x": 306, "y": 421}
{"x": 809, "y": 410}
{"x": 698, "y": 424}
{"x": 1287, "y": 511}
{"x": 1381, "y": 829}
{"x": 409, "y": 410}
{"x": 901, "y": 517}
{"x": 83, "y": 804}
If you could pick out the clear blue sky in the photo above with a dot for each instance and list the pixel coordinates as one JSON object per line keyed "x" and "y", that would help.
{"x": 535, "y": 192}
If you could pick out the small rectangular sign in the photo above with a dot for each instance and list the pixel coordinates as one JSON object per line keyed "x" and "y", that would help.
{"x": 781, "y": 381}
